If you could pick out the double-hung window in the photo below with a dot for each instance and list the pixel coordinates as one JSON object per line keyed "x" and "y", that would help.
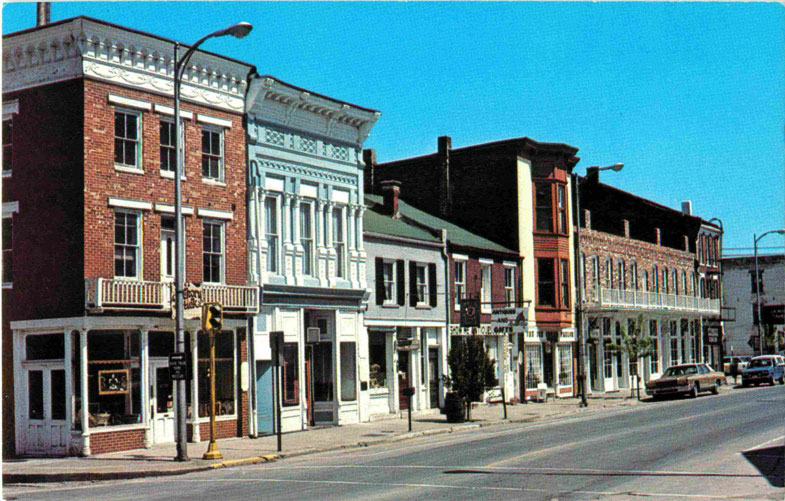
{"x": 167, "y": 132}
{"x": 485, "y": 291}
{"x": 271, "y": 232}
{"x": 8, "y": 270}
{"x": 654, "y": 351}
{"x": 509, "y": 285}
{"x": 421, "y": 276}
{"x": 8, "y": 150}
{"x": 608, "y": 273}
{"x": 212, "y": 252}
{"x": 546, "y": 290}
{"x": 543, "y": 200}
{"x": 388, "y": 273}
{"x": 306, "y": 237}
{"x": 339, "y": 242}
{"x": 127, "y": 250}
{"x": 561, "y": 192}
{"x": 622, "y": 275}
{"x": 460, "y": 282}
{"x": 654, "y": 286}
{"x": 634, "y": 275}
{"x": 564, "y": 282}
{"x": 127, "y": 139}
{"x": 212, "y": 153}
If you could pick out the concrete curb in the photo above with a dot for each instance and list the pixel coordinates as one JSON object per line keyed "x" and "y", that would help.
{"x": 30, "y": 478}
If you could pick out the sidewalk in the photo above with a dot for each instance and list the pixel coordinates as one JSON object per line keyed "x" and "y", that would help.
{"x": 158, "y": 460}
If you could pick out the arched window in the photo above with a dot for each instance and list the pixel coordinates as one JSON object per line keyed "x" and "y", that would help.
{"x": 654, "y": 285}
{"x": 676, "y": 282}
{"x": 622, "y": 278}
{"x": 634, "y": 275}
{"x": 608, "y": 273}
{"x": 645, "y": 280}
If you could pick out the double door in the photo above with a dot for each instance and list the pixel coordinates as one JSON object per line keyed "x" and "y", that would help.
{"x": 47, "y": 431}
{"x": 162, "y": 402}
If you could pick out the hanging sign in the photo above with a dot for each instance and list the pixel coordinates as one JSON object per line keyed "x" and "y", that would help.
{"x": 510, "y": 320}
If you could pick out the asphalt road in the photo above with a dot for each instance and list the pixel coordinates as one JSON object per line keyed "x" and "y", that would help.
{"x": 714, "y": 447}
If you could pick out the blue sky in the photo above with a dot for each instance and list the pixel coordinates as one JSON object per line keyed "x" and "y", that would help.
{"x": 690, "y": 96}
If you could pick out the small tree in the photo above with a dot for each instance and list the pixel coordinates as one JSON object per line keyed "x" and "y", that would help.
{"x": 635, "y": 345}
{"x": 471, "y": 371}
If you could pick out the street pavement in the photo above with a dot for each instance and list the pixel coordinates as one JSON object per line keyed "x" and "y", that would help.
{"x": 714, "y": 447}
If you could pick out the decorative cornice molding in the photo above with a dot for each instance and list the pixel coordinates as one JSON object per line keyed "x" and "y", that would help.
{"x": 259, "y": 132}
{"x": 287, "y": 168}
{"x": 87, "y": 48}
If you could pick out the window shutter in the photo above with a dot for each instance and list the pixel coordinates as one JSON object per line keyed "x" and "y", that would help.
{"x": 380, "y": 297}
{"x": 400, "y": 285}
{"x": 412, "y": 283}
{"x": 432, "y": 283}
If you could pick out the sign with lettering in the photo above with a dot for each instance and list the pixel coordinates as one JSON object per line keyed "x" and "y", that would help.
{"x": 773, "y": 314}
{"x": 470, "y": 312}
{"x": 510, "y": 320}
{"x": 178, "y": 366}
{"x": 192, "y": 301}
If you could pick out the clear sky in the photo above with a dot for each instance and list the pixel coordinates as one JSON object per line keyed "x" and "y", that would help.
{"x": 690, "y": 96}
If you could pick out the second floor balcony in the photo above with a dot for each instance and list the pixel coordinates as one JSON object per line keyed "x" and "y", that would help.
{"x": 109, "y": 294}
{"x": 640, "y": 300}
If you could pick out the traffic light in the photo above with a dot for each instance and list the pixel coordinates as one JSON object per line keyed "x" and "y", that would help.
{"x": 212, "y": 316}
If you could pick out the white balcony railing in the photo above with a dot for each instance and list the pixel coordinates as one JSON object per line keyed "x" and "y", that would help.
{"x": 112, "y": 294}
{"x": 632, "y": 299}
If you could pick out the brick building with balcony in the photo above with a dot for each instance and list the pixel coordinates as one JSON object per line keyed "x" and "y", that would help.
{"x": 88, "y": 214}
{"x": 639, "y": 264}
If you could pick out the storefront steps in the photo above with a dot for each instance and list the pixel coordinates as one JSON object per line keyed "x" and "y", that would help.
{"x": 159, "y": 460}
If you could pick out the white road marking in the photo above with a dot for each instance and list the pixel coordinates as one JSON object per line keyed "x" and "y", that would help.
{"x": 470, "y": 488}
{"x": 759, "y": 446}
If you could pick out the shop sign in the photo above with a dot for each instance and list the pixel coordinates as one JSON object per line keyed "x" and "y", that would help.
{"x": 470, "y": 312}
{"x": 483, "y": 330}
{"x": 192, "y": 301}
{"x": 509, "y": 320}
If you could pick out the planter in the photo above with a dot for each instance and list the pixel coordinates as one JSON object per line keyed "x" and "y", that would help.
{"x": 454, "y": 408}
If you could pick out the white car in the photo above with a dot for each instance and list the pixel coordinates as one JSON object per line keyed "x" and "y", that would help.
{"x": 741, "y": 362}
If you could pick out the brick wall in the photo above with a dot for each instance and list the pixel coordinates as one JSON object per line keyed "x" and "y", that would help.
{"x": 473, "y": 286}
{"x": 646, "y": 255}
{"x": 116, "y": 441}
{"x": 103, "y": 180}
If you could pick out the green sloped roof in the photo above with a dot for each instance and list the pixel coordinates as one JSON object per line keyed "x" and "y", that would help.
{"x": 376, "y": 222}
{"x": 455, "y": 234}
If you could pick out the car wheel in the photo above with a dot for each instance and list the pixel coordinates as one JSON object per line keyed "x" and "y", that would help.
{"x": 782, "y": 379}
{"x": 716, "y": 388}
{"x": 694, "y": 391}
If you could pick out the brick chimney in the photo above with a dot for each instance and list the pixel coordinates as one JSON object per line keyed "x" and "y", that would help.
{"x": 686, "y": 208}
{"x": 586, "y": 219}
{"x": 43, "y": 13}
{"x": 626, "y": 224}
{"x": 391, "y": 191}
{"x": 658, "y": 236}
{"x": 369, "y": 159}
{"x": 445, "y": 194}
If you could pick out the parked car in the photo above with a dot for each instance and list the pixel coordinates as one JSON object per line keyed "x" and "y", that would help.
{"x": 740, "y": 361}
{"x": 685, "y": 379}
{"x": 764, "y": 369}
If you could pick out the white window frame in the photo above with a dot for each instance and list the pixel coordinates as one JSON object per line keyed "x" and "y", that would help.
{"x": 275, "y": 249}
{"x": 654, "y": 356}
{"x": 423, "y": 287}
{"x": 392, "y": 297}
{"x": 565, "y": 364}
{"x": 533, "y": 359}
{"x": 309, "y": 206}
{"x": 9, "y": 215}
{"x": 509, "y": 284}
{"x": 10, "y": 108}
{"x": 138, "y": 167}
{"x": 221, "y": 156}
{"x": 139, "y": 247}
{"x": 222, "y": 253}
{"x": 339, "y": 240}
{"x": 169, "y": 174}
{"x": 459, "y": 286}
{"x": 622, "y": 272}
{"x": 486, "y": 290}
{"x": 634, "y": 275}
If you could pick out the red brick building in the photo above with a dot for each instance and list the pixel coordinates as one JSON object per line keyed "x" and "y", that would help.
{"x": 640, "y": 271}
{"x": 514, "y": 192}
{"x": 89, "y": 226}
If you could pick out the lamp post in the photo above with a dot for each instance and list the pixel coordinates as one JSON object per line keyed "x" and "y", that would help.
{"x": 579, "y": 280}
{"x": 238, "y": 30}
{"x": 757, "y": 285}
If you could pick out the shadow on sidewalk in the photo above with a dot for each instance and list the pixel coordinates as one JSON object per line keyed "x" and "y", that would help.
{"x": 770, "y": 462}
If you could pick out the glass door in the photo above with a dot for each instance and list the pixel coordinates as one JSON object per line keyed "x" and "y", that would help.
{"x": 162, "y": 397}
{"x": 46, "y": 432}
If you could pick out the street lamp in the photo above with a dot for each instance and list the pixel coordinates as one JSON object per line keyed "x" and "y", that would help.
{"x": 757, "y": 284}
{"x": 579, "y": 280}
{"x": 238, "y": 30}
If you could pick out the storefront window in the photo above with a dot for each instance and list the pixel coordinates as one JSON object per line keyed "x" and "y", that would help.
{"x": 348, "y": 372}
{"x": 654, "y": 357}
{"x": 160, "y": 344}
{"x": 291, "y": 382}
{"x": 533, "y": 366}
{"x": 113, "y": 378}
{"x": 45, "y": 347}
{"x": 224, "y": 373}
{"x": 565, "y": 364}
{"x": 323, "y": 372}
{"x": 377, "y": 359}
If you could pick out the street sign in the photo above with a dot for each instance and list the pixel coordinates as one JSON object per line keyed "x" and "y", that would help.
{"x": 178, "y": 366}
{"x": 773, "y": 314}
{"x": 510, "y": 320}
{"x": 470, "y": 312}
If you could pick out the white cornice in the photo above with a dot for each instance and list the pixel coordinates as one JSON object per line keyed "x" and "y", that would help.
{"x": 169, "y": 209}
{"x": 130, "y": 204}
{"x": 88, "y": 48}
{"x": 215, "y": 214}
{"x": 276, "y": 102}
{"x": 168, "y": 110}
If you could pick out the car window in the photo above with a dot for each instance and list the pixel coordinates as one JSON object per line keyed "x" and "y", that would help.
{"x": 760, "y": 362}
{"x": 690, "y": 370}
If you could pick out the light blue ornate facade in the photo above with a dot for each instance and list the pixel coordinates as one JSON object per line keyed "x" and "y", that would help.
{"x": 305, "y": 193}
